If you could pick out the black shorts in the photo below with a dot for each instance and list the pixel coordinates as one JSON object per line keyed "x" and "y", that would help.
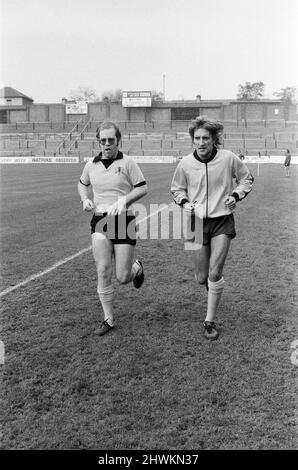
{"x": 120, "y": 229}
{"x": 216, "y": 226}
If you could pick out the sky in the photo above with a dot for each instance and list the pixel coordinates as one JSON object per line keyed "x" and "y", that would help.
{"x": 48, "y": 48}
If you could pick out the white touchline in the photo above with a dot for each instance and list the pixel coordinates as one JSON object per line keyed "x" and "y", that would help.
{"x": 42, "y": 273}
{"x": 63, "y": 261}
{"x": 153, "y": 213}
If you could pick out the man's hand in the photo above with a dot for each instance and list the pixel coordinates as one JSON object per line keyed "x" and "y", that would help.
{"x": 188, "y": 207}
{"x": 118, "y": 207}
{"x": 230, "y": 202}
{"x": 88, "y": 205}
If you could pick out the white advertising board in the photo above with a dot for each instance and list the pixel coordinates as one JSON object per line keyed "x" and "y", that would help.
{"x": 133, "y": 99}
{"x": 80, "y": 107}
{"x": 147, "y": 158}
{"x": 39, "y": 160}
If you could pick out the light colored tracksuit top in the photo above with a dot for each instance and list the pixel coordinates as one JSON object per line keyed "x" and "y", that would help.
{"x": 211, "y": 181}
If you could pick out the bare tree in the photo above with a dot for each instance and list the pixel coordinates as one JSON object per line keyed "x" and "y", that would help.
{"x": 84, "y": 94}
{"x": 287, "y": 95}
{"x": 250, "y": 91}
{"x": 112, "y": 95}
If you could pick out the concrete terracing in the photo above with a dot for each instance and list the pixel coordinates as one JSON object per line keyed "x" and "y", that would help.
{"x": 139, "y": 138}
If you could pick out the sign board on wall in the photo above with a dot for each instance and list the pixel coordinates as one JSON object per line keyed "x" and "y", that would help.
{"x": 39, "y": 159}
{"x": 147, "y": 159}
{"x": 132, "y": 99}
{"x": 80, "y": 107}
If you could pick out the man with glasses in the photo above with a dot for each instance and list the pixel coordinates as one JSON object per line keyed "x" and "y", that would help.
{"x": 116, "y": 182}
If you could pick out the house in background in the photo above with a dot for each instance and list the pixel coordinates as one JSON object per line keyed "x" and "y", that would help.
{"x": 11, "y": 101}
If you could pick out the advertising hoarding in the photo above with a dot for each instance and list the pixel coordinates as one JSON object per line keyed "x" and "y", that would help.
{"x": 80, "y": 107}
{"x": 140, "y": 99}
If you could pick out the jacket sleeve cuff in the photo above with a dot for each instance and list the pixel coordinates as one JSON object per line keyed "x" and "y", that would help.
{"x": 236, "y": 196}
{"x": 183, "y": 202}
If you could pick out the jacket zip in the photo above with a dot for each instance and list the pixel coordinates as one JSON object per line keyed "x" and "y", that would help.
{"x": 206, "y": 189}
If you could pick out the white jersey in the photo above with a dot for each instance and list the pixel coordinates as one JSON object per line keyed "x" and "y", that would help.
{"x": 111, "y": 183}
{"x": 210, "y": 182}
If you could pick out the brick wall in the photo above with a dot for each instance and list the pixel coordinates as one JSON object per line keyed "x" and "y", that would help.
{"x": 254, "y": 112}
{"x": 236, "y": 111}
{"x": 57, "y": 112}
{"x": 271, "y": 111}
{"x": 229, "y": 112}
{"x": 76, "y": 117}
{"x": 117, "y": 112}
{"x": 160, "y": 114}
{"x": 38, "y": 113}
{"x": 212, "y": 113}
{"x": 137, "y": 114}
{"x": 293, "y": 112}
{"x": 18, "y": 116}
{"x": 97, "y": 111}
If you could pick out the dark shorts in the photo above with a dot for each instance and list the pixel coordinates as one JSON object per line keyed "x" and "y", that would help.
{"x": 216, "y": 226}
{"x": 287, "y": 161}
{"x": 120, "y": 229}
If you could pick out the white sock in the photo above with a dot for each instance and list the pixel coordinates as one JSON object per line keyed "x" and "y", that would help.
{"x": 214, "y": 295}
{"x": 106, "y": 295}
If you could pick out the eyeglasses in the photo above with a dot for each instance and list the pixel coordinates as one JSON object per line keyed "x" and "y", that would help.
{"x": 109, "y": 140}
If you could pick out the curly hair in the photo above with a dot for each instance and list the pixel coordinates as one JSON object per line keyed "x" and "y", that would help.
{"x": 214, "y": 127}
{"x": 109, "y": 125}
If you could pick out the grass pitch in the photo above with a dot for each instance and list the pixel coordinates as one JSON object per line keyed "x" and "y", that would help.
{"x": 155, "y": 382}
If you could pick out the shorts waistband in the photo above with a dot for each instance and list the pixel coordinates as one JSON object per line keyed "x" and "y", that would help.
{"x": 104, "y": 214}
{"x": 100, "y": 214}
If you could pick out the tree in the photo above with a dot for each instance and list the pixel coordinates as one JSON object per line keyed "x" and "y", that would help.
{"x": 112, "y": 95}
{"x": 250, "y": 91}
{"x": 84, "y": 94}
{"x": 287, "y": 95}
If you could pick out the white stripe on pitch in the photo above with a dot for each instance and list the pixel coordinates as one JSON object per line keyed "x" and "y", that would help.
{"x": 42, "y": 273}
{"x": 153, "y": 213}
{"x": 63, "y": 261}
